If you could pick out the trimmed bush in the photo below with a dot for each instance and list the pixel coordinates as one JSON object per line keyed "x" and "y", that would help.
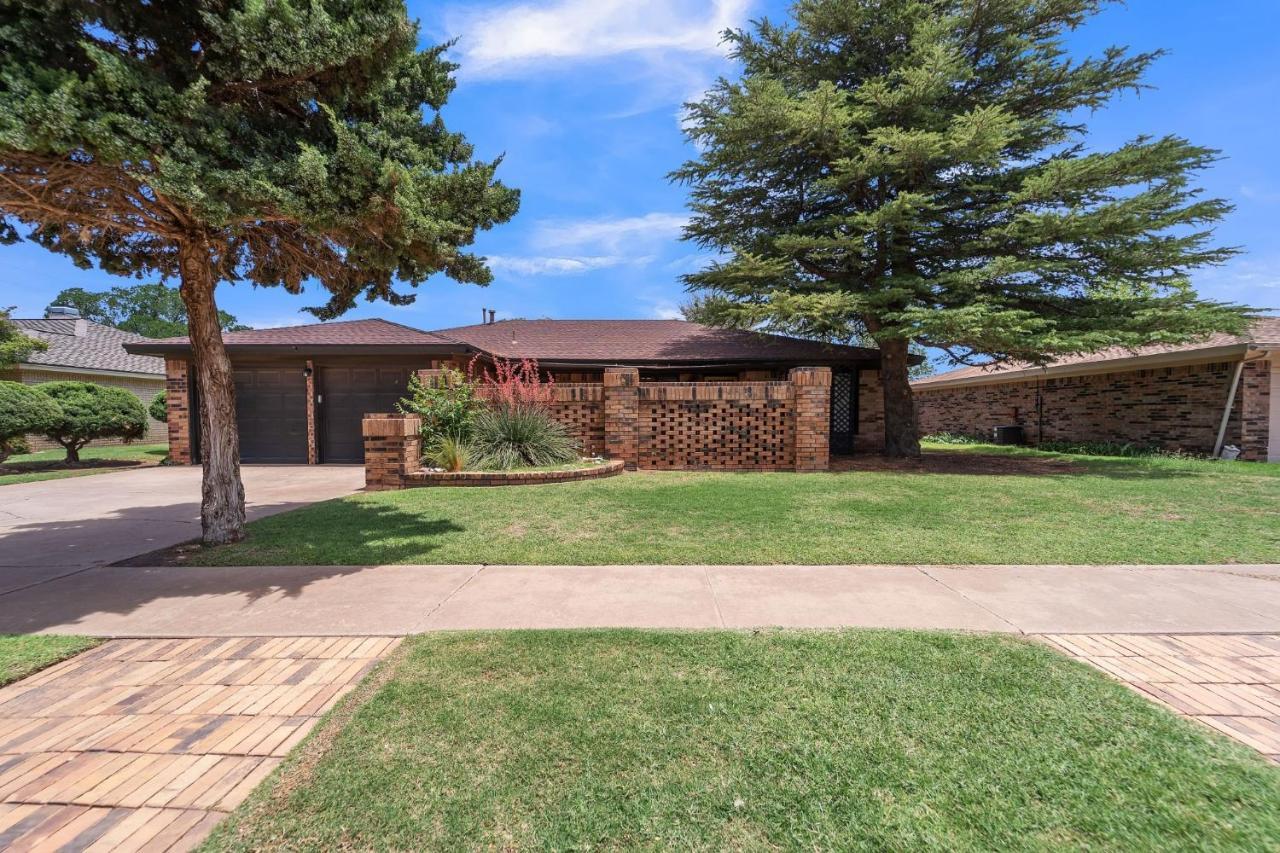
{"x": 23, "y": 410}
{"x": 92, "y": 411}
{"x": 511, "y": 436}
{"x": 446, "y": 408}
{"x": 158, "y": 408}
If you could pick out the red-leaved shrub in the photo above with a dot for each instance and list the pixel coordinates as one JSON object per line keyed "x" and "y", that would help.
{"x": 512, "y": 383}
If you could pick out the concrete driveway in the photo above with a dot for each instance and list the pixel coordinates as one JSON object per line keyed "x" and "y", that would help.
{"x": 57, "y": 527}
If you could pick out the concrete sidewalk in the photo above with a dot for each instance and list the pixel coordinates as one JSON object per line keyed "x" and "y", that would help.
{"x": 396, "y": 600}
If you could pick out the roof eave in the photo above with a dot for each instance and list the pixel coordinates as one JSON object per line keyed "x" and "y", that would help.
{"x": 1113, "y": 365}
{"x": 304, "y": 349}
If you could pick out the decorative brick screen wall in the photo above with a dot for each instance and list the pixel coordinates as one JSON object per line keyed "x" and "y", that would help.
{"x": 1174, "y": 408}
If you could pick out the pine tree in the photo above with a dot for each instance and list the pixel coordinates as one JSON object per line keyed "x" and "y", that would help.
{"x": 271, "y": 142}
{"x": 918, "y": 171}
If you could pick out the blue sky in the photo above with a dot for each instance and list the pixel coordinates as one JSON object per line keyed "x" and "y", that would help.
{"x": 583, "y": 97}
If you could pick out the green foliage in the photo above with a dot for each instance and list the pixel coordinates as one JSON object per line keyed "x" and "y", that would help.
{"x": 23, "y": 410}
{"x": 158, "y": 408}
{"x": 150, "y": 310}
{"x": 90, "y": 411}
{"x": 15, "y": 347}
{"x": 512, "y": 436}
{"x": 447, "y": 407}
{"x": 1124, "y": 449}
{"x": 918, "y": 170}
{"x": 277, "y": 142}
{"x": 452, "y": 453}
{"x": 953, "y": 438}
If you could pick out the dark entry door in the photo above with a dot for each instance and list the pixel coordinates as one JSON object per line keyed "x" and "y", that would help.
{"x": 271, "y": 412}
{"x": 844, "y": 410}
{"x": 347, "y": 394}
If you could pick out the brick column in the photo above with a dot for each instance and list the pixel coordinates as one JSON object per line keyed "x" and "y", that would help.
{"x": 1255, "y": 410}
{"x": 177, "y": 403}
{"x": 812, "y": 400}
{"x": 313, "y": 452}
{"x": 621, "y": 404}
{"x": 392, "y": 449}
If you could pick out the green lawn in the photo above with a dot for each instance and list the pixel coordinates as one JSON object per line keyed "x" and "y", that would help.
{"x": 966, "y": 505}
{"x": 23, "y": 654}
{"x": 50, "y": 464}
{"x": 739, "y": 741}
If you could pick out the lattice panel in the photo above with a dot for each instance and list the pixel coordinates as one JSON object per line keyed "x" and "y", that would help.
{"x": 585, "y": 421}
{"x": 841, "y": 414}
{"x": 745, "y": 434}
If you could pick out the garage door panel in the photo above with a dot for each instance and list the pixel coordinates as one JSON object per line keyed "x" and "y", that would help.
{"x": 271, "y": 413}
{"x": 348, "y": 394}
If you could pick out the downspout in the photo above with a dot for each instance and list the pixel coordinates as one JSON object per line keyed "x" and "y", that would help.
{"x": 1226, "y": 412}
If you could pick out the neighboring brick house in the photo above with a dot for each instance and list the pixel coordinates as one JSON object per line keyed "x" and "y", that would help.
{"x": 82, "y": 351}
{"x": 1173, "y": 397}
{"x": 657, "y": 393}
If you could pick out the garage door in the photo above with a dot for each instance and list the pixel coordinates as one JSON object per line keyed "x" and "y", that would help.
{"x": 271, "y": 410}
{"x": 347, "y": 394}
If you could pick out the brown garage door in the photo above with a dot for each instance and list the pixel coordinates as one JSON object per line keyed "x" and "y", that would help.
{"x": 271, "y": 410}
{"x": 347, "y": 394}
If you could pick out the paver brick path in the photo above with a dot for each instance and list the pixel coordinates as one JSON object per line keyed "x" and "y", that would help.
{"x": 1228, "y": 682}
{"x": 146, "y": 744}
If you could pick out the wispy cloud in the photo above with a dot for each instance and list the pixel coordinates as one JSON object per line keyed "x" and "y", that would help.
{"x": 610, "y": 235}
{"x": 542, "y": 265}
{"x": 1260, "y": 194}
{"x": 507, "y": 39}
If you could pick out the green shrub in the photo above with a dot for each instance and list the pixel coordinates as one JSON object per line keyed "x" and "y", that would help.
{"x": 511, "y": 436}
{"x": 23, "y": 410}
{"x": 452, "y": 453}
{"x": 953, "y": 438}
{"x": 158, "y": 408}
{"x": 447, "y": 407}
{"x": 1112, "y": 448}
{"x": 91, "y": 411}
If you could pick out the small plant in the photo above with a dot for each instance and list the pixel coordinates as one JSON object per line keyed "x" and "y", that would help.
{"x": 452, "y": 453}
{"x": 447, "y": 406}
{"x": 158, "y": 408}
{"x": 514, "y": 435}
{"x": 23, "y": 410}
{"x": 89, "y": 411}
{"x": 1113, "y": 448}
{"x": 513, "y": 383}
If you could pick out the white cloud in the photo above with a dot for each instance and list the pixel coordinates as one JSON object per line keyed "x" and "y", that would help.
{"x": 609, "y": 235}
{"x": 1260, "y": 194}
{"x": 554, "y": 265}
{"x": 502, "y": 40}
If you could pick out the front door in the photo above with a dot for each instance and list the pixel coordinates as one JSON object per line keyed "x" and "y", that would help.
{"x": 844, "y": 410}
{"x": 345, "y": 396}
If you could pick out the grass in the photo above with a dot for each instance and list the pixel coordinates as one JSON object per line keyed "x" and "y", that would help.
{"x": 998, "y": 506}
{"x": 737, "y": 741}
{"x": 23, "y": 654}
{"x": 51, "y": 464}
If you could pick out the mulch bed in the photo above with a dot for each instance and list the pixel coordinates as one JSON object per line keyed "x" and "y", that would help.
{"x": 947, "y": 462}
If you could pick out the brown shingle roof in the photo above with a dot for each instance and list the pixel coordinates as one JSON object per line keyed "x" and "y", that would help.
{"x": 344, "y": 333}
{"x": 1263, "y": 334}
{"x": 95, "y": 347}
{"x": 643, "y": 342}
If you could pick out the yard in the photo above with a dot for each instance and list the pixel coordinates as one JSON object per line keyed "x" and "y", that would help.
{"x": 957, "y": 505}
{"x": 713, "y": 741}
{"x": 21, "y": 655}
{"x": 51, "y": 464}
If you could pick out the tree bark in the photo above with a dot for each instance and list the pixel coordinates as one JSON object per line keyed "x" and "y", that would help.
{"x": 222, "y": 493}
{"x": 901, "y": 435}
{"x": 73, "y": 452}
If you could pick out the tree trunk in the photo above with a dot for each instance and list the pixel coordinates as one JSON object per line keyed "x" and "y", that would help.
{"x": 222, "y": 493}
{"x": 73, "y": 452}
{"x": 901, "y": 437}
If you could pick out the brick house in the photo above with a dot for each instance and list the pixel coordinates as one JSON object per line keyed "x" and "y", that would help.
{"x": 658, "y": 393}
{"x": 81, "y": 351}
{"x": 1224, "y": 390}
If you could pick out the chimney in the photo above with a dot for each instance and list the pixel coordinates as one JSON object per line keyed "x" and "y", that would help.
{"x": 61, "y": 312}
{"x": 491, "y": 313}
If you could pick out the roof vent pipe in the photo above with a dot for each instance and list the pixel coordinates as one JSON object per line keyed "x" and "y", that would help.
{"x": 491, "y": 316}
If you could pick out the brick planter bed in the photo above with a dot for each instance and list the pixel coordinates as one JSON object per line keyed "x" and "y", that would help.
{"x": 419, "y": 479}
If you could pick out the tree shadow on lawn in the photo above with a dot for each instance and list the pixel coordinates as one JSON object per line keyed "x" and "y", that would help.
{"x": 354, "y": 532}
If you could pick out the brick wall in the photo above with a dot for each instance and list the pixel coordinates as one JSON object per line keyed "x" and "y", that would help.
{"x": 1174, "y": 408}
{"x": 870, "y": 435}
{"x": 177, "y": 400}
{"x": 145, "y": 388}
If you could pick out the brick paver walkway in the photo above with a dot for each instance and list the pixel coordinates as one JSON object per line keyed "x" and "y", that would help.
{"x": 1228, "y": 682}
{"x": 146, "y": 744}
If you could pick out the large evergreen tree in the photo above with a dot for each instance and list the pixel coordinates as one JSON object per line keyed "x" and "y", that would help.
{"x": 151, "y": 310}
{"x": 917, "y": 170}
{"x": 273, "y": 142}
